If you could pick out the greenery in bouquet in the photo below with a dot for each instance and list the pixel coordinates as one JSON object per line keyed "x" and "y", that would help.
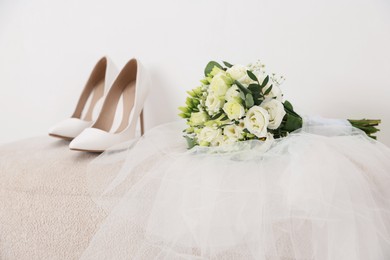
{"x": 239, "y": 103}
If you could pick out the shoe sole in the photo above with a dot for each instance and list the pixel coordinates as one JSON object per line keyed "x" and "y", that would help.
{"x": 83, "y": 150}
{"x": 62, "y": 137}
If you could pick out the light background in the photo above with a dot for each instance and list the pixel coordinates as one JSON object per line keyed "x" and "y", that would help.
{"x": 335, "y": 54}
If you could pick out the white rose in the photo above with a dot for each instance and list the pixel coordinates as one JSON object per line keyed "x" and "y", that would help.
{"x": 198, "y": 118}
{"x": 232, "y": 93}
{"x": 234, "y": 110}
{"x": 208, "y": 135}
{"x": 213, "y": 104}
{"x": 241, "y": 124}
{"x": 276, "y": 112}
{"x": 219, "y": 84}
{"x": 237, "y": 71}
{"x": 233, "y": 132}
{"x": 270, "y": 138}
{"x": 246, "y": 80}
{"x": 218, "y": 141}
{"x": 265, "y": 146}
{"x": 256, "y": 121}
{"x": 275, "y": 92}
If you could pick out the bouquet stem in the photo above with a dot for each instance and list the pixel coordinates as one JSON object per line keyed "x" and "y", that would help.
{"x": 369, "y": 126}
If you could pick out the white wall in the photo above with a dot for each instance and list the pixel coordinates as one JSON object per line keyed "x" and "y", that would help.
{"x": 335, "y": 54}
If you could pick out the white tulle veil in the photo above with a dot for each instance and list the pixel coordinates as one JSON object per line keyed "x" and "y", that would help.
{"x": 320, "y": 193}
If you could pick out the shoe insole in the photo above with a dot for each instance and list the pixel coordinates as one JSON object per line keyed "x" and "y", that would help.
{"x": 128, "y": 97}
{"x": 108, "y": 114}
{"x": 88, "y": 100}
{"x": 98, "y": 93}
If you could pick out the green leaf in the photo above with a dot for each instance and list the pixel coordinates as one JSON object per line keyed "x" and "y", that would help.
{"x": 241, "y": 87}
{"x": 365, "y": 122}
{"x": 190, "y": 142}
{"x": 369, "y": 129}
{"x": 369, "y": 126}
{"x": 205, "y": 81}
{"x": 268, "y": 90}
{"x": 216, "y": 116}
{"x": 292, "y": 123}
{"x": 287, "y": 105}
{"x": 249, "y": 102}
{"x": 254, "y": 88}
{"x": 183, "y": 109}
{"x": 242, "y": 95}
{"x": 183, "y": 115}
{"x": 210, "y": 66}
{"x": 256, "y": 93}
{"x": 258, "y": 101}
{"x": 265, "y": 82}
{"x": 224, "y": 118}
{"x": 222, "y": 126}
{"x": 289, "y": 109}
{"x": 251, "y": 75}
{"x": 227, "y": 64}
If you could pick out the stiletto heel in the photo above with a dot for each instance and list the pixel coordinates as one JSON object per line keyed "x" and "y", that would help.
{"x": 94, "y": 91}
{"x": 131, "y": 86}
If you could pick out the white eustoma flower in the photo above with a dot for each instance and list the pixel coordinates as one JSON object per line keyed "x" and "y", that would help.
{"x": 237, "y": 71}
{"x": 198, "y": 118}
{"x": 256, "y": 121}
{"x": 209, "y": 134}
{"x": 232, "y": 93}
{"x": 233, "y": 133}
{"x": 219, "y": 84}
{"x": 234, "y": 110}
{"x": 214, "y": 104}
{"x": 276, "y": 112}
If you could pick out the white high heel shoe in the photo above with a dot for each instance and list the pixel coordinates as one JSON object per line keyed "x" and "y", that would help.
{"x": 100, "y": 79}
{"x": 132, "y": 84}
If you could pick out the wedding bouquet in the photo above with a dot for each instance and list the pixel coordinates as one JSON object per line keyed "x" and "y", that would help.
{"x": 239, "y": 103}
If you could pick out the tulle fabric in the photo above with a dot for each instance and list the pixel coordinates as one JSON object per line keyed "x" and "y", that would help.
{"x": 320, "y": 193}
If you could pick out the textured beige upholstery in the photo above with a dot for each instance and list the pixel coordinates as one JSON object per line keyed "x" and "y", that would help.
{"x": 45, "y": 209}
